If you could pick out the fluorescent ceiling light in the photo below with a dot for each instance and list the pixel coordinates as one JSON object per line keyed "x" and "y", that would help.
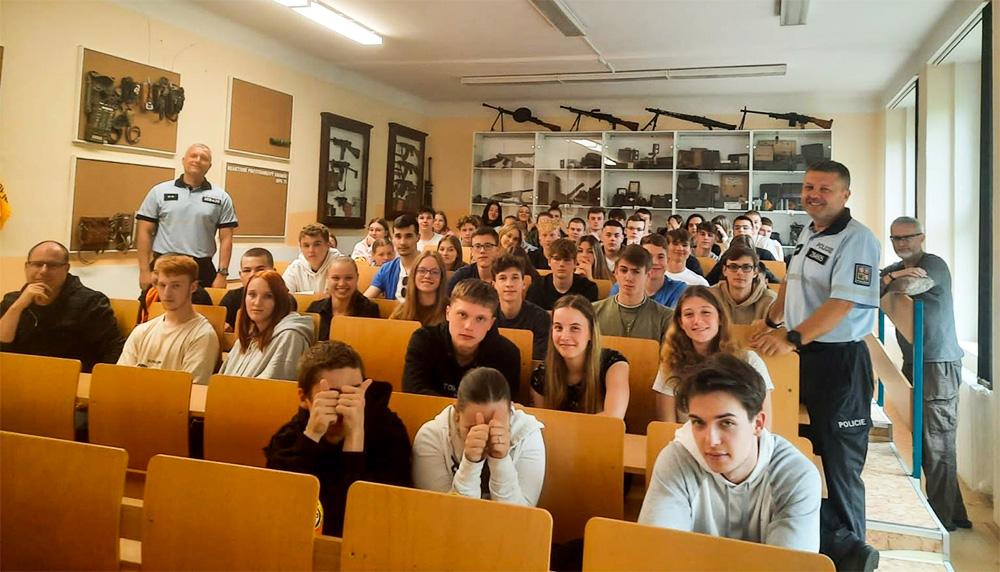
{"x": 329, "y": 18}
{"x": 633, "y": 75}
{"x": 560, "y": 16}
{"x": 793, "y": 12}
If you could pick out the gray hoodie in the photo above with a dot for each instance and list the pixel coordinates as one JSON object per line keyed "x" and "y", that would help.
{"x": 778, "y": 504}
{"x": 280, "y": 359}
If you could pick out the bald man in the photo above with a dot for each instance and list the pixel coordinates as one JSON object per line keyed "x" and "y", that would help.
{"x": 54, "y": 314}
{"x": 183, "y": 216}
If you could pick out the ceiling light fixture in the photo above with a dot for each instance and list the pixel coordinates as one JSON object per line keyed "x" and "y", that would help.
{"x": 793, "y": 12}
{"x": 333, "y": 20}
{"x": 634, "y": 75}
{"x": 560, "y": 16}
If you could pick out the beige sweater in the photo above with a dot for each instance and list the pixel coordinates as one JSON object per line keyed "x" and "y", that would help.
{"x": 753, "y": 308}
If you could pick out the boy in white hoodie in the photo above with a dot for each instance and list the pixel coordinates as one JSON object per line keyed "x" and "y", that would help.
{"x": 307, "y": 273}
{"x": 725, "y": 474}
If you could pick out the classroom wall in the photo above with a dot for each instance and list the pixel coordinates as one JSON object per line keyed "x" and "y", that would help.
{"x": 39, "y": 105}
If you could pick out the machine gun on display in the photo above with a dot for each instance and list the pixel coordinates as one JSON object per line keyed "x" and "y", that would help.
{"x": 793, "y": 119}
{"x": 405, "y": 150}
{"x": 345, "y": 146}
{"x": 595, "y": 114}
{"x": 521, "y": 115}
{"x": 340, "y": 169}
{"x": 710, "y": 123}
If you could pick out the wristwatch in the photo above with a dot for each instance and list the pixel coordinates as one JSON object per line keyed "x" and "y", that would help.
{"x": 794, "y": 338}
{"x": 223, "y": 271}
{"x": 772, "y": 325}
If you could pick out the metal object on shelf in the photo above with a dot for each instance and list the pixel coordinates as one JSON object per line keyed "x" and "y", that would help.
{"x": 700, "y": 120}
{"x": 596, "y": 114}
{"x": 521, "y": 115}
{"x": 793, "y": 119}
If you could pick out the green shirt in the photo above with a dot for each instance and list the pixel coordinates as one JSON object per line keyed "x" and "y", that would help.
{"x": 648, "y": 320}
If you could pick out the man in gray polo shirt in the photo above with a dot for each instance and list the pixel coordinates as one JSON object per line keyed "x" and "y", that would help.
{"x": 925, "y": 277}
{"x": 183, "y": 216}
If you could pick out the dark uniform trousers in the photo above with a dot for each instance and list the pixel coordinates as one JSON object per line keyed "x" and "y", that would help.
{"x": 941, "y": 383}
{"x": 836, "y": 382}
{"x": 206, "y": 269}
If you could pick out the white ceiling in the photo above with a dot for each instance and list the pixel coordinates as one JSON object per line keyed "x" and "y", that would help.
{"x": 849, "y": 48}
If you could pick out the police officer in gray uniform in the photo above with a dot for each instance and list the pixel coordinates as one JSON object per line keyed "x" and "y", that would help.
{"x": 183, "y": 216}
{"x": 925, "y": 277}
{"x": 825, "y": 308}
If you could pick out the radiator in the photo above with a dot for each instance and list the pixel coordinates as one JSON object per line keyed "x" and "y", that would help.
{"x": 976, "y": 436}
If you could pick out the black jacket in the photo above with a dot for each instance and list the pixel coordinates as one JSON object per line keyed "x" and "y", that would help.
{"x": 431, "y": 367}
{"x": 363, "y": 308}
{"x": 386, "y": 458}
{"x": 79, "y": 324}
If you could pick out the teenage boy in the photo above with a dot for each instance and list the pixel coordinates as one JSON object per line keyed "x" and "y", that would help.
{"x": 54, "y": 314}
{"x": 532, "y": 239}
{"x": 704, "y": 241}
{"x": 466, "y": 226}
{"x": 725, "y": 474}
{"x": 647, "y": 217}
{"x": 743, "y": 226}
{"x": 576, "y": 229}
{"x": 548, "y": 232}
{"x": 343, "y": 431}
{"x": 307, "y": 273}
{"x": 516, "y": 312}
{"x": 659, "y": 287}
{"x": 390, "y": 280}
{"x": 612, "y": 237}
{"x": 595, "y": 221}
{"x": 635, "y": 229}
{"x": 485, "y": 250}
{"x": 425, "y": 222}
{"x": 678, "y": 251}
{"x": 438, "y": 356}
{"x": 762, "y": 240}
{"x": 631, "y": 313}
{"x": 563, "y": 279}
{"x": 253, "y": 261}
{"x": 179, "y": 339}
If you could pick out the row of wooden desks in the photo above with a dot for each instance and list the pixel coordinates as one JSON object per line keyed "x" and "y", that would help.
{"x": 198, "y": 395}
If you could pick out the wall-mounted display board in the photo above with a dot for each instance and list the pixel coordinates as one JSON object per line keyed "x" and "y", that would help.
{"x": 260, "y": 197}
{"x": 404, "y": 174}
{"x": 260, "y": 120}
{"x": 343, "y": 171}
{"x": 106, "y": 188}
{"x": 128, "y": 105}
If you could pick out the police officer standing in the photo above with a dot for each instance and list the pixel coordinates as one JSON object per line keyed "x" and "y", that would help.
{"x": 183, "y": 216}
{"x": 825, "y": 308}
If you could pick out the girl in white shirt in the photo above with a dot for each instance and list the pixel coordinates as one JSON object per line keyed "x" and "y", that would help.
{"x": 377, "y": 228}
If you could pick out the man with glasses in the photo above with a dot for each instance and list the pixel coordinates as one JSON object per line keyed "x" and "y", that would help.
{"x": 635, "y": 229}
{"x": 925, "y": 277}
{"x": 829, "y": 301}
{"x": 54, "y": 314}
{"x": 485, "y": 250}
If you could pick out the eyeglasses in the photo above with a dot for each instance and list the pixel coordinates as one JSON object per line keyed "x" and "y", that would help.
{"x": 744, "y": 268}
{"x": 432, "y": 272}
{"x": 38, "y": 265}
{"x": 904, "y": 237}
{"x": 487, "y": 246}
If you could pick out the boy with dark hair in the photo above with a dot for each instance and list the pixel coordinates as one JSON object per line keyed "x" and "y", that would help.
{"x": 516, "y": 312}
{"x": 678, "y": 252}
{"x": 438, "y": 356}
{"x": 485, "y": 249}
{"x": 576, "y": 228}
{"x": 658, "y": 287}
{"x": 631, "y": 313}
{"x": 612, "y": 237}
{"x": 595, "y": 221}
{"x": 563, "y": 279}
{"x": 618, "y": 215}
{"x": 725, "y": 474}
{"x": 635, "y": 229}
{"x": 343, "y": 431}
{"x": 704, "y": 241}
{"x": 254, "y": 260}
{"x": 307, "y": 273}
{"x": 390, "y": 280}
{"x": 425, "y": 224}
{"x": 466, "y": 226}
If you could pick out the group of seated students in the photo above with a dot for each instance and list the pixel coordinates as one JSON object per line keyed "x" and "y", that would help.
{"x": 481, "y": 446}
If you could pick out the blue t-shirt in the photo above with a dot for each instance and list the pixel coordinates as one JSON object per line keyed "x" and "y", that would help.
{"x": 668, "y": 294}
{"x": 387, "y": 278}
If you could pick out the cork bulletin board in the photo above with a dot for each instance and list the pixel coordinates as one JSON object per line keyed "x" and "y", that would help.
{"x": 157, "y": 134}
{"x": 260, "y": 198}
{"x": 260, "y": 120}
{"x": 104, "y": 188}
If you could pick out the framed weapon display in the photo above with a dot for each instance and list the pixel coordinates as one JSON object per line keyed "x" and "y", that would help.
{"x": 404, "y": 177}
{"x": 343, "y": 171}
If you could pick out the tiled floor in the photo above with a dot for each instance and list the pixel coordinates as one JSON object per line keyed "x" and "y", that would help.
{"x": 978, "y": 549}
{"x": 889, "y": 496}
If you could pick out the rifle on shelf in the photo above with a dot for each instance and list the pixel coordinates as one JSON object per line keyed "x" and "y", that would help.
{"x": 407, "y": 150}
{"x": 710, "y": 123}
{"x": 345, "y": 146}
{"x": 596, "y": 114}
{"x": 521, "y": 115}
{"x": 793, "y": 119}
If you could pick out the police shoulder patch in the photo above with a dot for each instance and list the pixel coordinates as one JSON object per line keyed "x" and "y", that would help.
{"x": 862, "y": 274}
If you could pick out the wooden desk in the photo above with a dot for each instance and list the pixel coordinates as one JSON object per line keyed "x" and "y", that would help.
{"x": 635, "y": 454}
{"x": 198, "y": 394}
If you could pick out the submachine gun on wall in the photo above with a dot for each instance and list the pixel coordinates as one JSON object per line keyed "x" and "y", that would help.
{"x": 705, "y": 121}
{"x": 521, "y": 115}
{"x": 793, "y": 119}
{"x": 596, "y": 114}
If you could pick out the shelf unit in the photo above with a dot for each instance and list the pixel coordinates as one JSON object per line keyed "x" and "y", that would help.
{"x": 682, "y": 172}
